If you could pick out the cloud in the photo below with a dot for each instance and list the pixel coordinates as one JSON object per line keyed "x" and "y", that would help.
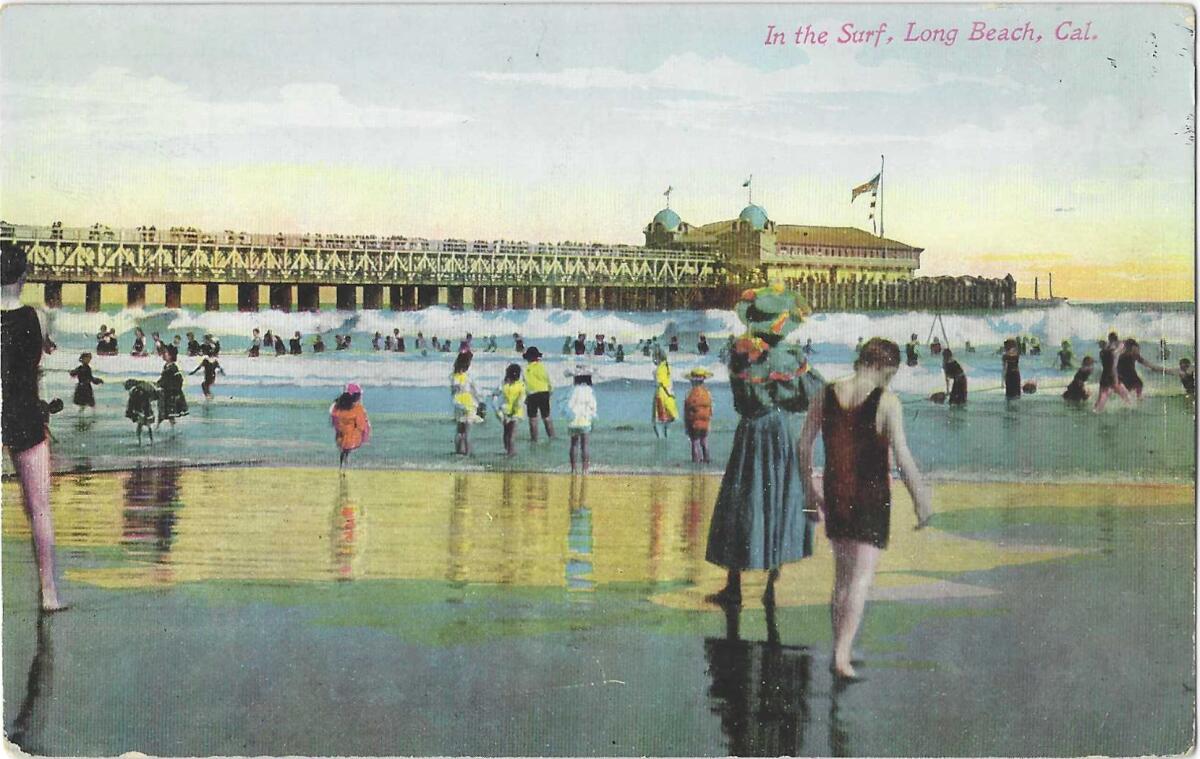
{"x": 115, "y": 102}
{"x": 829, "y": 71}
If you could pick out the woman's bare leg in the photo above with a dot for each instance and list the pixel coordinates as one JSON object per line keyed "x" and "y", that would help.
{"x": 573, "y": 452}
{"x": 1102, "y": 398}
{"x": 549, "y": 426}
{"x": 860, "y": 560}
{"x": 533, "y": 434}
{"x": 583, "y": 450}
{"x": 33, "y": 470}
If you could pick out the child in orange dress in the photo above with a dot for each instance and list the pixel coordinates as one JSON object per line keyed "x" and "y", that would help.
{"x": 350, "y": 424}
{"x": 697, "y": 412}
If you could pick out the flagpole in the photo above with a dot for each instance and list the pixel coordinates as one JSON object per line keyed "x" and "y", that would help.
{"x": 881, "y": 196}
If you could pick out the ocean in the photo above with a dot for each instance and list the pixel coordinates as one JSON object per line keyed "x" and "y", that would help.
{"x": 271, "y": 410}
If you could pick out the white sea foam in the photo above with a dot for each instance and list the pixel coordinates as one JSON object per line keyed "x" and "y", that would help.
{"x": 1051, "y": 325}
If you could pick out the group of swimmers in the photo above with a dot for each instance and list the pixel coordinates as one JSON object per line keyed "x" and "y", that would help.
{"x": 1119, "y": 359}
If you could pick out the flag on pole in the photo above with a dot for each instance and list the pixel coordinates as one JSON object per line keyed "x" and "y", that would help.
{"x": 747, "y": 182}
{"x": 870, "y": 185}
{"x": 667, "y": 192}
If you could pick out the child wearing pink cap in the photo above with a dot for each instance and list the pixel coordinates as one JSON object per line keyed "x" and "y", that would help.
{"x": 351, "y": 427}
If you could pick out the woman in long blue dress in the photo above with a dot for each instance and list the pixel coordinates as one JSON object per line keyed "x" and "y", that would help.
{"x": 760, "y": 521}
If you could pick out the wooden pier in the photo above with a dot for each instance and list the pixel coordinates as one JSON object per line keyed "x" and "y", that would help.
{"x": 404, "y": 273}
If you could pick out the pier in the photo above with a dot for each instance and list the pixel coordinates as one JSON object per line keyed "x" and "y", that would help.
{"x": 287, "y": 272}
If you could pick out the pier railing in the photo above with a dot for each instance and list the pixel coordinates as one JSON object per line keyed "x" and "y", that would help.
{"x": 133, "y": 256}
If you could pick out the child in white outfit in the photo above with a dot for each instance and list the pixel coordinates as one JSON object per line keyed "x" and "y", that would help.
{"x": 581, "y": 412}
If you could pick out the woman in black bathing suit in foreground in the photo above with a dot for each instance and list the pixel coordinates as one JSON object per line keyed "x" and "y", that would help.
{"x": 22, "y": 340}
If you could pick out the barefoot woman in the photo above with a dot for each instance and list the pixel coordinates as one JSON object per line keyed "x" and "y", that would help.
{"x": 860, "y": 421}
{"x": 21, "y": 340}
{"x": 759, "y": 521}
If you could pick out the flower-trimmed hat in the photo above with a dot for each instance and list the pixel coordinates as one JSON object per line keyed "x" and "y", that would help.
{"x": 772, "y": 311}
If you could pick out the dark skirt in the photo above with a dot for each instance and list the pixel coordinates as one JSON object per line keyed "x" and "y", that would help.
{"x": 84, "y": 395}
{"x": 1075, "y": 392}
{"x": 759, "y": 521}
{"x": 958, "y": 391}
{"x": 1012, "y": 385}
{"x": 171, "y": 404}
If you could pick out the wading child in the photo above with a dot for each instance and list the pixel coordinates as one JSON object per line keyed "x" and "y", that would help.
{"x": 351, "y": 428}
{"x": 581, "y": 413}
{"x": 697, "y": 413}
{"x": 465, "y": 399}
{"x": 139, "y": 409}
{"x": 211, "y": 366}
{"x": 511, "y": 397}
{"x": 84, "y": 397}
{"x": 861, "y": 423}
{"x": 665, "y": 409}
{"x": 537, "y": 385}
{"x": 759, "y": 521}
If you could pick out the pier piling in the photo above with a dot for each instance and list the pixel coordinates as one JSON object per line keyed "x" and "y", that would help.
{"x": 247, "y": 299}
{"x": 91, "y": 297}
{"x": 281, "y": 297}
{"x": 212, "y": 297}
{"x": 52, "y": 294}
{"x": 173, "y": 296}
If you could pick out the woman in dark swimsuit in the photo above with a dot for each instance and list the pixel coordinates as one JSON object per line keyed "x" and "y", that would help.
{"x": 139, "y": 343}
{"x": 1077, "y": 390}
{"x": 172, "y": 403}
{"x": 1127, "y": 362}
{"x": 255, "y": 345}
{"x": 910, "y": 351}
{"x": 84, "y": 397}
{"x": 861, "y": 423}
{"x": 956, "y": 379}
{"x": 1011, "y": 361}
{"x": 1109, "y": 382}
{"x": 280, "y": 350}
{"x": 22, "y": 426}
{"x": 211, "y": 366}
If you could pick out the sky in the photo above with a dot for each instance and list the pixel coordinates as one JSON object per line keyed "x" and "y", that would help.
{"x": 543, "y": 122}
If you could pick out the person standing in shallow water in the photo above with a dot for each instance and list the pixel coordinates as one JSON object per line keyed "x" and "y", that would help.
{"x": 210, "y": 366}
{"x": 665, "y": 410}
{"x": 759, "y": 521}
{"x": 172, "y": 402}
{"x": 84, "y": 397}
{"x": 538, "y": 389}
{"x": 22, "y": 340}
{"x": 465, "y": 398}
{"x": 1010, "y": 361}
{"x": 910, "y": 351}
{"x": 956, "y": 379}
{"x": 861, "y": 423}
{"x": 1110, "y": 383}
{"x": 351, "y": 428}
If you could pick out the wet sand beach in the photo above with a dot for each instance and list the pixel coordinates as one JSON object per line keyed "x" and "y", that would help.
{"x": 293, "y": 611}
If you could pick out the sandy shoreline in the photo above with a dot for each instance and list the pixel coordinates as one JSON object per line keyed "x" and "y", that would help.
{"x": 711, "y": 471}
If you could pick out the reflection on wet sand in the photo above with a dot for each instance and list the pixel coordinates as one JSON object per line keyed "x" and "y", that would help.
{"x": 30, "y": 722}
{"x": 521, "y": 529}
{"x": 529, "y": 529}
{"x": 759, "y": 690}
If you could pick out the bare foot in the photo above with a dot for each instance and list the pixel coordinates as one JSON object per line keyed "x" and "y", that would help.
{"x": 54, "y": 606}
{"x": 843, "y": 671}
